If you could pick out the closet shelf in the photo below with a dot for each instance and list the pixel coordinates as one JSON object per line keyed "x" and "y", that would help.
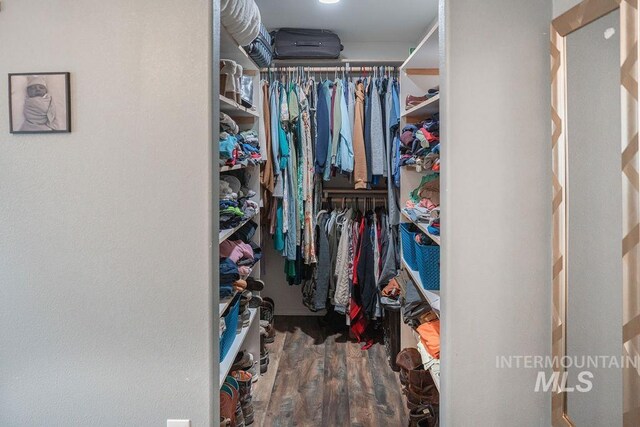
{"x": 432, "y": 297}
{"x": 430, "y": 106}
{"x": 230, "y": 49}
{"x": 225, "y": 234}
{"x": 224, "y": 303}
{"x": 427, "y": 53}
{"x": 423, "y": 227}
{"x": 430, "y": 361}
{"x": 236, "y": 167}
{"x": 225, "y": 365}
{"x": 233, "y": 109}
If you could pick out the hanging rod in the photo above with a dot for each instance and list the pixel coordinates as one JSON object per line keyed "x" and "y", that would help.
{"x": 361, "y": 193}
{"x": 350, "y": 69}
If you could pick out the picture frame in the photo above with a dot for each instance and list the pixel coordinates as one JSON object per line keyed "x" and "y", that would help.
{"x": 39, "y": 102}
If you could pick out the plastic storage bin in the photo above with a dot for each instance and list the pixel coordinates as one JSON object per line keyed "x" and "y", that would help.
{"x": 231, "y": 323}
{"x": 407, "y": 236}
{"x": 428, "y": 259}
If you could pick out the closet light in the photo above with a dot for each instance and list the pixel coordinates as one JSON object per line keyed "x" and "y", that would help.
{"x": 329, "y": 1}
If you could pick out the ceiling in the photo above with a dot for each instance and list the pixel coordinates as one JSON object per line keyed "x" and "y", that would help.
{"x": 354, "y": 20}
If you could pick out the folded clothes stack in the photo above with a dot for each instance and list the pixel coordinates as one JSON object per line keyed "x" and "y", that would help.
{"x": 237, "y": 148}
{"x": 235, "y": 202}
{"x": 238, "y": 255}
{"x": 420, "y": 144}
{"x": 424, "y": 203}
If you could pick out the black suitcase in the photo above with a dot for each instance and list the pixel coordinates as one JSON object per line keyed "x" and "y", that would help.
{"x": 260, "y": 49}
{"x": 300, "y": 43}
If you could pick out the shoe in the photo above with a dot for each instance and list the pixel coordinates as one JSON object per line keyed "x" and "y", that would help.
{"x": 421, "y": 382}
{"x": 415, "y": 400}
{"x": 424, "y": 416}
{"x": 225, "y": 422}
{"x": 255, "y": 284}
{"x": 246, "y": 319}
{"x": 243, "y": 361}
{"x": 253, "y": 370}
{"x": 270, "y": 331}
{"x": 409, "y": 359}
{"x": 412, "y": 101}
{"x": 264, "y": 363}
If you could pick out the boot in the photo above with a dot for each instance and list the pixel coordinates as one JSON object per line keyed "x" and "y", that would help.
{"x": 408, "y": 359}
{"x": 424, "y": 416}
{"x": 414, "y": 400}
{"x": 227, "y": 78}
{"x": 238, "y": 83}
{"x": 421, "y": 382}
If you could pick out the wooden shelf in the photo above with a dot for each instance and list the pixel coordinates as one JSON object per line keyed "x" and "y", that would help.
{"x": 237, "y": 167}
{"x": 230, "y": 49}
{"x": 425, "y": 108}
{"x": 423, "y": 227}
{"x": 225, "y": 365}
{"x": 224, "y": 303}
{"x": 233, "y": 109}
{"x": 432, "y": 297}
{"x": 427, "y": 53}
{"x": 225, "y": 234}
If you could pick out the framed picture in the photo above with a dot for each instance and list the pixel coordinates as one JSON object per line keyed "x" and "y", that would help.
{"x": 39, "y": 103}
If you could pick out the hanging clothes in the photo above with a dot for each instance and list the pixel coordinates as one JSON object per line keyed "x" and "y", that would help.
{"x": 313, "y": 131}
{"x": 359, "y": 149}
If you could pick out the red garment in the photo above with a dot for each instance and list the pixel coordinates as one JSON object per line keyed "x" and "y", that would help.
{"x": 358, "y": 321}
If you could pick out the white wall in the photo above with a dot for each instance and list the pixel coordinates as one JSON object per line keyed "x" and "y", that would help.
{"x": 496, "y": 290}
{"x": 104, "y": 232}
{"x": 561, "y": 6}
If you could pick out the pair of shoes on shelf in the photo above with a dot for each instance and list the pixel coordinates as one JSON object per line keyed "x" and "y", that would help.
{"x": 230, "y": 79}
{"x": 267, "y": 331}
{"x": 411, "y": 101}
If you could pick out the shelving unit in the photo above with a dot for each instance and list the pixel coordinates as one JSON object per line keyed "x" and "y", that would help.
{"x": 418, "y": 74}
{"x": 247, "y": 119}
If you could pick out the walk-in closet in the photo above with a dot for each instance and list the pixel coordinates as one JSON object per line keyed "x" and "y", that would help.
{"x": 329, "y": 202}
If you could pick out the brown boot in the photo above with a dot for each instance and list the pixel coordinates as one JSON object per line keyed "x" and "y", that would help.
{"x": 408, "y": 360}
{"x": 414, "y": 400}
{"x": 421, "y": 382}
{"x": 424, "y": 416}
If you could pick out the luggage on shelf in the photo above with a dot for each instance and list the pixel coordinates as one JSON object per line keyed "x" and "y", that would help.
{"x": 300, "y": 43}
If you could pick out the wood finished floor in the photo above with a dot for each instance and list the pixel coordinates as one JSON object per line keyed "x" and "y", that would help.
{"x": 318, "y": 377}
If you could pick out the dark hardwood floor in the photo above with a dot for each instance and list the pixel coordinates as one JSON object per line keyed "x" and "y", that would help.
{"x": 318, "y": 377}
